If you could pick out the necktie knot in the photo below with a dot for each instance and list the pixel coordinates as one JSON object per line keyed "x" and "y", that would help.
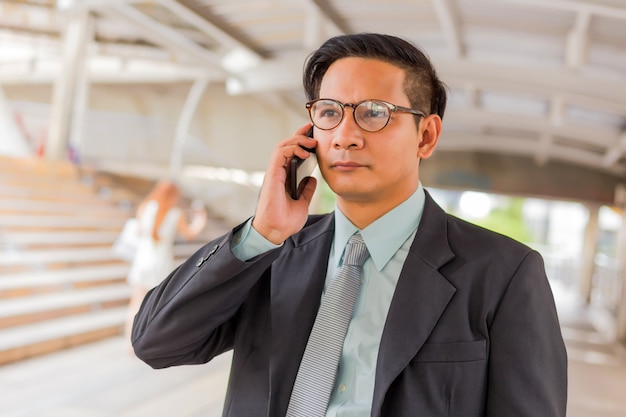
{"x": 356, "y": 252}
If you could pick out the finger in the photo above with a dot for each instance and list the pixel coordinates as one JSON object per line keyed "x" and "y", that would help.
{"x": 307, "y": 132}
{"x": 309, "y": 189}
{"x": 290, "y": 150}
{"x": 294, "y": 146}
{"x": 304, "y": 129}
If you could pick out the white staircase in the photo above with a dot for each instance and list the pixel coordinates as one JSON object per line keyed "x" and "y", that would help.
{"x": 60, "y": 283}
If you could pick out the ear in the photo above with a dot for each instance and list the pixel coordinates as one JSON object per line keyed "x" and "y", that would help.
{"x": 430, "y": 136}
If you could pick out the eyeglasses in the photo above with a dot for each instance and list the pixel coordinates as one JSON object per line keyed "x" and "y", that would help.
{"x": 369, "y": 115}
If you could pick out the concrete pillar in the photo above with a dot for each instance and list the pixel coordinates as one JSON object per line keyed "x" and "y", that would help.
{"x": 621, "y": 310}
{"x": 592, "y": 231}
{"x": 71, "y": 87}
{"x": 184, "y": 121}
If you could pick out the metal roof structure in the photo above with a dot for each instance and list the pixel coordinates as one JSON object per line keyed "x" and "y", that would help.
{"x": 544, "y": 79}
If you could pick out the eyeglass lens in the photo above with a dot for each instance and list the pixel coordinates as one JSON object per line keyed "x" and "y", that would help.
{"x": 370, "y": 115}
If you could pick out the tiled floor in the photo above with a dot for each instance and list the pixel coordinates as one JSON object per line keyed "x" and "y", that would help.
{"x": 104, "y": 380}
{"x": 597, "y": 364}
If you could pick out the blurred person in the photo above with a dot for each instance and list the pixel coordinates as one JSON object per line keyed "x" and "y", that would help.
{"x": 160, "y": 221}
{"x": 450, "y": 319}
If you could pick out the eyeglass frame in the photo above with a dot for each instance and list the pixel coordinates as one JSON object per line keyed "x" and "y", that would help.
{"x": 392, "y": 109}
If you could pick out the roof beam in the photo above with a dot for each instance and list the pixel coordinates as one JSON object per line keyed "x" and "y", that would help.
{"x": 203, "y": 22}
{"x": 205, "y": 26}
{"x": 27, "y": 17}
{"x": 330, "y": 18}
{"x": 546, "y": 138}
{"x": 590, "y": 7}
{"x": 557, "y": 111}
{"x": 318, "y": 26}
{"x": 313, "y": 27}
{"x": 601, "y": 137}
{"x": 542, "y": 82}
{"x": 448, "y": 20}
{"x": 615, "y": 152}
{"x": 459, "y": 141}
{"x": 542, "y": 155}
{"x": 157, "y": 32}
{"x": 578, "y": 41}
{"x": 130, "y": 72}
{"x": 603, "y": 93}
{"x": 237, "y": 56}
{"x": 271, "y": 76}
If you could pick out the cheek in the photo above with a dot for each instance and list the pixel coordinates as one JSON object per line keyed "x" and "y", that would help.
{"x": 323, "y": 147}
{"x": 401, "y": 152}
{"x": 400, "y": 163}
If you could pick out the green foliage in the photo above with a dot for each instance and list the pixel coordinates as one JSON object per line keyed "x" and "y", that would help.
{"x": 508, "y": 220}
{"x": 326, "y": 201}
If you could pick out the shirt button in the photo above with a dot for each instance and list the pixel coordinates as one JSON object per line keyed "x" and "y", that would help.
{"x": 342, "y": 388}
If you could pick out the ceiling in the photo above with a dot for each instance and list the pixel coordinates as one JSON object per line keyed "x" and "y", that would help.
{"x": 544, "y": 79}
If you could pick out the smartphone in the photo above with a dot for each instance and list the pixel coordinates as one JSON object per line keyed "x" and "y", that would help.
{"x": 299, "y": 169}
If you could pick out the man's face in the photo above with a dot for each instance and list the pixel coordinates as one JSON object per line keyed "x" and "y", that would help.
{"x": 368, "y": 167}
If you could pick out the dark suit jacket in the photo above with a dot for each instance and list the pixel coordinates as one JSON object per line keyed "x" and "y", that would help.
{"x": 472, "y": 329}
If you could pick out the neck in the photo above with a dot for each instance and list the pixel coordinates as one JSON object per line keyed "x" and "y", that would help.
{"x": 362, "y": 213}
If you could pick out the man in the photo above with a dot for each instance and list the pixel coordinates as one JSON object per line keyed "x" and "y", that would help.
{"x": 450, "y": 320}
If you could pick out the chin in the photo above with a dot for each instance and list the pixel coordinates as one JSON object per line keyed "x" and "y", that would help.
{"x": 352, "y": 192}
{"x": 355, "y": 188}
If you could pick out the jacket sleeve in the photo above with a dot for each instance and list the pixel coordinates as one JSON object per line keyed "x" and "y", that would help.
{"x": 191, "y": 316}
{"x": 528, "y": 360}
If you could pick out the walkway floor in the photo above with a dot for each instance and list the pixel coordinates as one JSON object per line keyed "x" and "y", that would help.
{"x": 103, "y": 380}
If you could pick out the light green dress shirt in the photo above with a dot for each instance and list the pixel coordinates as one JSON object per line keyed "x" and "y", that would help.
{"x": 388, "y": 240}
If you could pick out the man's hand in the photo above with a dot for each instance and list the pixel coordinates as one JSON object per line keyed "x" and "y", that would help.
{"x": 278, "y": 216}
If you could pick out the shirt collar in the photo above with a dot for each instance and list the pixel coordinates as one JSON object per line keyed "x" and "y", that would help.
{"x": 385, "y": 235}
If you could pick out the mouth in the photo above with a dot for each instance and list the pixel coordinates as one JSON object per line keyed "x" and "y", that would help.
{"x": 347, "y": 165}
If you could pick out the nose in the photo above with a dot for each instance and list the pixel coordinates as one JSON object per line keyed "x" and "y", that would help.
{"x": 347, "y": 134}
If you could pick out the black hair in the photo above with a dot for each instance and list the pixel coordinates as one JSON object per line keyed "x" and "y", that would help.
{"x": 425, "y": 90}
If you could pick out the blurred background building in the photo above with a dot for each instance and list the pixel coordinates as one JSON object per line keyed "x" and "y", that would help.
{"x": 101, "y": 98}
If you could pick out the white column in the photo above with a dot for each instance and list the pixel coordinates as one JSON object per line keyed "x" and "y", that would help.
{"x": 184, "y": 121}
{"x": 589, "y": 251}
{"x": 621, "y": 310}
{"x": 71, "y": 88}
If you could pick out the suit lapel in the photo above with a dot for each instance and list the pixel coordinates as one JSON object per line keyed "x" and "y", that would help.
{"x": 420, "y": 298}
{"x": 297, "y": 283}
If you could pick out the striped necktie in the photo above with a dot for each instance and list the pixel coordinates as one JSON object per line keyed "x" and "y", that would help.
{"x": 316, "y": 376}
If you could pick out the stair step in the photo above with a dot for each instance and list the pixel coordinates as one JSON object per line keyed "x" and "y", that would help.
{"x": 28, "y": 206}
{"x": 51, "y": 190}
{"x": 60, "y": 282}
{"x": 39, "y": 258}
{"x": 45, "y": 183}
{"x": 57, "y": 238}
{"x": 41, "y": 281}
{"x": 52, "y": 221}
{"x": 38, "y": 167}
{"x": 30, "y": 340}
{"x": 23, "y": 310}
{"x": 21, "y": 192}
{"x": 34, "y": 258}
